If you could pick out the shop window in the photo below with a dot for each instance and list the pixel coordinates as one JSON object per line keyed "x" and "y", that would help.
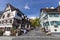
{"x": 7, "y": 28}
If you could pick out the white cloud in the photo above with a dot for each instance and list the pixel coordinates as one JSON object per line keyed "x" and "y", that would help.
{"x": 26, "y": 6}
{"x": 32, "y": 17}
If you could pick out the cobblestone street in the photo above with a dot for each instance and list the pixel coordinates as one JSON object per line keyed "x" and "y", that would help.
{"x": 32, "y": 35}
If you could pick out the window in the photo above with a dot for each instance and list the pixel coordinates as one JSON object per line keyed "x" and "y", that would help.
{"x": 56, "y": 26}
{"x": 10, "y": 21}
{"x": 8, "y": 10}
{"x": 19, "y": 14}
{"x": 58, "y": 22}
{"x": 55, "y": 23}
{"x": 46, "y": 24}
{"x": 8, "y": 15}
{"x": 3, "y": 16}
{"x": 45, "y": 17}
{"x": 54, "y": 15}
{"x": 7, "y": 28}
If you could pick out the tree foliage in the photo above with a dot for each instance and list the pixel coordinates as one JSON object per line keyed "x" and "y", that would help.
{"x": 35, "y": 22}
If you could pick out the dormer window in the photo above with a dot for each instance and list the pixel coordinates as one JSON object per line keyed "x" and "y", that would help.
{"x": 8, "y": 15}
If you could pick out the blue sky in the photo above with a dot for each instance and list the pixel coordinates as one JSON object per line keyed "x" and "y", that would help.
{"x": 31, "y": 8}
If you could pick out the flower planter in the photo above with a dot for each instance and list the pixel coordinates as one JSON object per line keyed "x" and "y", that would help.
{"x": 1, "y": 33}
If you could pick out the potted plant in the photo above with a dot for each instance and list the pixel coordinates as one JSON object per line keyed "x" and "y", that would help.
{"x": 1, "y": 32}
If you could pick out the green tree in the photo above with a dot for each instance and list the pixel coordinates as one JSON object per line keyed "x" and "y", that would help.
{"x": 35, "y": 22}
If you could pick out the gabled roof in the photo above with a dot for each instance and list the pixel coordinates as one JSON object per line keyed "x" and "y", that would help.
{"x": 13, "y": 8}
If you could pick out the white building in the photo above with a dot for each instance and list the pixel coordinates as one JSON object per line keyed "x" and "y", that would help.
{"x": 13, "y": 18}
{"x": 50, "y": 19}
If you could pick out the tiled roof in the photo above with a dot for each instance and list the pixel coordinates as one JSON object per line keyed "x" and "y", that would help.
{"x": 57, "y": 9}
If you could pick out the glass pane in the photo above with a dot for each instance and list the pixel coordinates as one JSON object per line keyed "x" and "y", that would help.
{"x": 54, "y": 15}
{"x": 46, "y": 24}
{"x": 8, "y": 28}
{"x": 55, "y": 22}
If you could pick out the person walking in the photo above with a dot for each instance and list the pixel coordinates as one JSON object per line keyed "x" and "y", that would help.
{"x": 25, "y": 31}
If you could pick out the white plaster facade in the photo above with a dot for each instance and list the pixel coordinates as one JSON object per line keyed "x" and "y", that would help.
{"x": 50, "y": 20}
{"x": 12, "y": 14}
{"x": 13, "y": 18}
{"x": 7, "y": 18}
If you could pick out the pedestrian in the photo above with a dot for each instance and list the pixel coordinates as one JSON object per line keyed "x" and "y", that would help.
{"x": 25, "y": 31}
{"x": 46, "y": 30}
{"x": 49, "y": 32}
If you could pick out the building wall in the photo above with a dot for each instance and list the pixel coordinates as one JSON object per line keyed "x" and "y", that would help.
{"x": 18, "y": 15}
{"x": 51, "y": 27}
{"x": 10, "y": 14}
{"x": 49, "y": 19}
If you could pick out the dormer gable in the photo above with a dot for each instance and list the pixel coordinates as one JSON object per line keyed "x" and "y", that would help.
{"x": 9, "y": 7}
